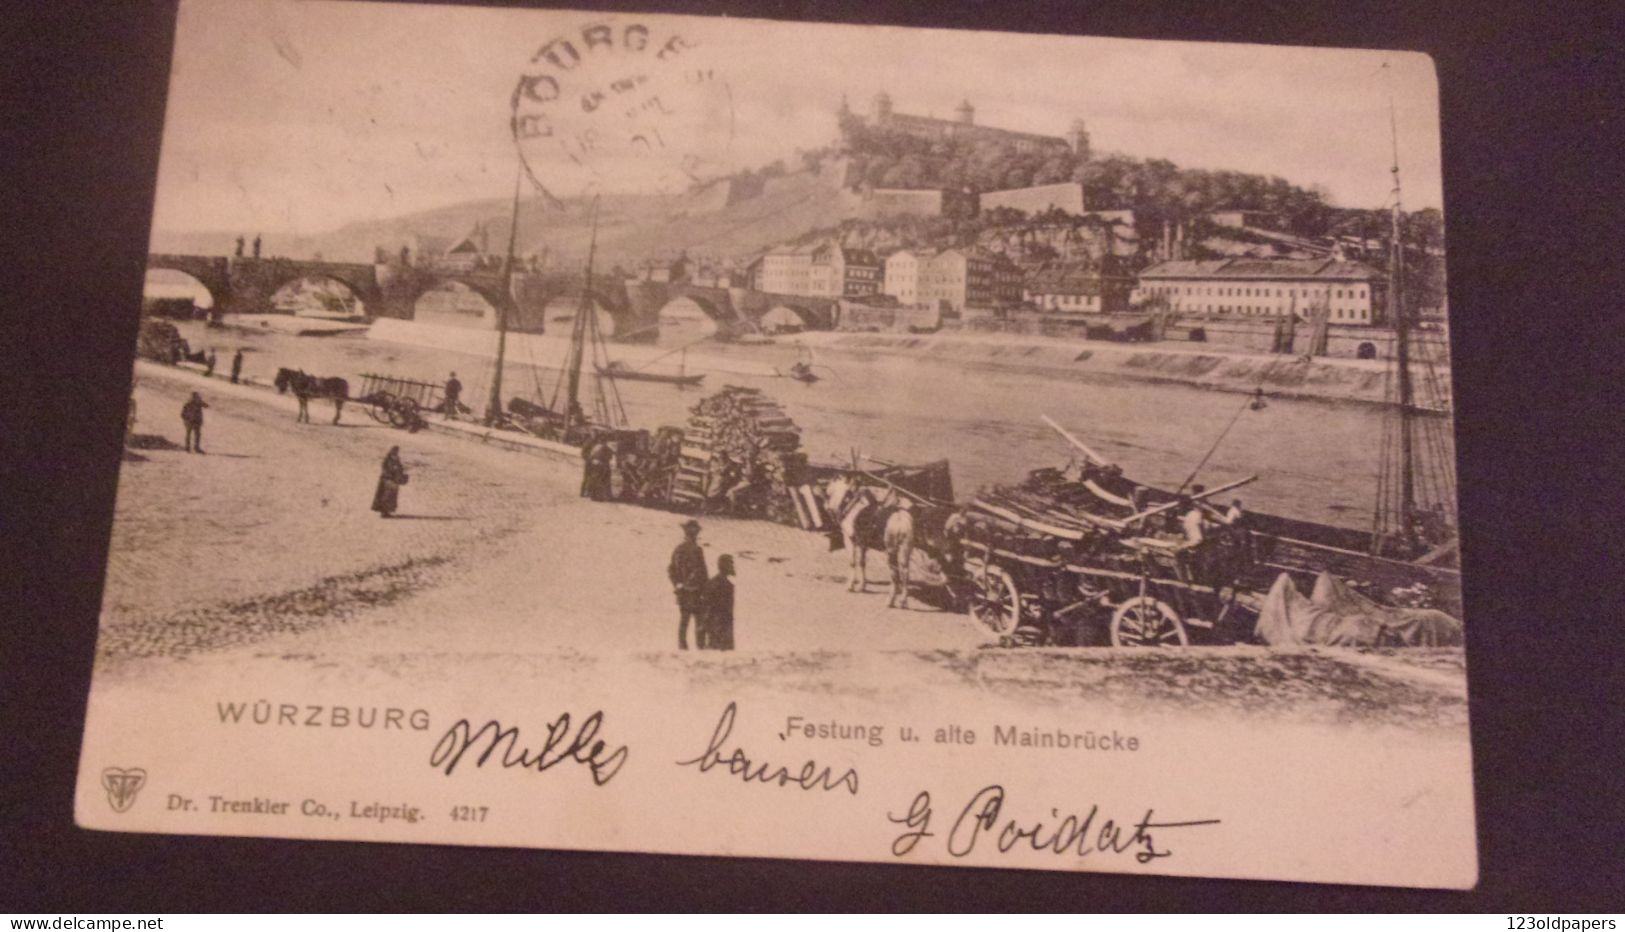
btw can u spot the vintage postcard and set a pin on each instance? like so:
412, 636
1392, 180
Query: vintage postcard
744, 438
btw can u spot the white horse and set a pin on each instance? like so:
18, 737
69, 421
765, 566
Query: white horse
859, 507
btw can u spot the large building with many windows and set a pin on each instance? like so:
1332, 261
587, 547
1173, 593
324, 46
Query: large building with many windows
953, 280
826, 269
1350, 292
1079, 290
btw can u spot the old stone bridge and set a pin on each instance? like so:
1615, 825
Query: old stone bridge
244, 285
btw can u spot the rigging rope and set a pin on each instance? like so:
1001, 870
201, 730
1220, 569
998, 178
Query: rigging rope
1210, 450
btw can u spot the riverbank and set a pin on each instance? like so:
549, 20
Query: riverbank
1197, 365
1317, 459
1203, 366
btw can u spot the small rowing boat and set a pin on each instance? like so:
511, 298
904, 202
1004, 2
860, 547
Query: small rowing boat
620, 371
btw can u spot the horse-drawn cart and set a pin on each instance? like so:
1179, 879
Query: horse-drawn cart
1062, 560
399, 402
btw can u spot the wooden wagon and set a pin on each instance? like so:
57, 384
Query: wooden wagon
1056, 560
399, 402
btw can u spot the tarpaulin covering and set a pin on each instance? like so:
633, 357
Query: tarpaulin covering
1337, 615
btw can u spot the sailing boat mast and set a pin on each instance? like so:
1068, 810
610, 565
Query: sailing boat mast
493, 408
1402, 353
578, 334
1402, 513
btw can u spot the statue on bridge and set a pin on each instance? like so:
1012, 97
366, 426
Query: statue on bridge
256, 245
239, 247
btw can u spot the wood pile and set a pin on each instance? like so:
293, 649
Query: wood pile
1046, 505
740, 455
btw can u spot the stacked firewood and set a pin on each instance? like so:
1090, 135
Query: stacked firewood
741, 455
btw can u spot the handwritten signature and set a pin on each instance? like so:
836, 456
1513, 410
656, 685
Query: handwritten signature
1069, 834
560, 746
739, 764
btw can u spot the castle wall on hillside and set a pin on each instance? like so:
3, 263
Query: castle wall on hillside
1067, 196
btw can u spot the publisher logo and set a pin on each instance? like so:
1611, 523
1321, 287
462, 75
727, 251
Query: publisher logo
122, 785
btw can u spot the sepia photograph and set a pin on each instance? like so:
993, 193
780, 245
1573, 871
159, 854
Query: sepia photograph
732, 437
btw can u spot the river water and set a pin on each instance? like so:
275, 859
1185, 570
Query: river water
1315, 460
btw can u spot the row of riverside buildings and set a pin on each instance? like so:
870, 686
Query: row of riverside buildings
973, 282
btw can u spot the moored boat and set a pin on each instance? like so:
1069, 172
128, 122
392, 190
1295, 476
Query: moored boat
618, 370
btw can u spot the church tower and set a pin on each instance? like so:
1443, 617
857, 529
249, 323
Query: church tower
1078, 138
965, 113
882, 108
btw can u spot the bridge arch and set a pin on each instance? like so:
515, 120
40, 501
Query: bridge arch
357, 297
208, 271
255, 282
688, 317
784, 317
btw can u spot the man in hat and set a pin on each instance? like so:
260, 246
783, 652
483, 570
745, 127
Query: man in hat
236, 366
688, 575
899, 540
192, 419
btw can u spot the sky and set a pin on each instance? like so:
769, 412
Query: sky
299, 116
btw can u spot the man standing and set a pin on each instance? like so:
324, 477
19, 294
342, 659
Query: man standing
208, 364
688, 575
1194, 521
236, 366
717, 632
192, 418
899, 540
454, 391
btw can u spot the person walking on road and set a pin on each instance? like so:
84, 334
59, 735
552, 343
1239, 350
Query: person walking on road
454, 392
717, 632
390, 479
599, 482
208, 364
236, 366
192, 419
689, 577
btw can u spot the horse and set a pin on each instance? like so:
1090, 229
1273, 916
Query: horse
863, 511
306, 387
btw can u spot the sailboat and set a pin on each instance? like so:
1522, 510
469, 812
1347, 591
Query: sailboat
1413, 538
1412, 542
563, 419
1414, 517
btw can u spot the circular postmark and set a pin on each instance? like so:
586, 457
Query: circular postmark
622, 105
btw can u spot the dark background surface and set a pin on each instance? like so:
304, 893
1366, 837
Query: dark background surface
1531, 104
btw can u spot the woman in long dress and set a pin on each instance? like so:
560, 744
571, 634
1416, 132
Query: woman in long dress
390, 480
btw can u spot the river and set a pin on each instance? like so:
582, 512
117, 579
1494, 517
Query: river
1315, 460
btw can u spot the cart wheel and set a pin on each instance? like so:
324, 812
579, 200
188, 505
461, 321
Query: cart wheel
380, 405
996, 602
1142, 621
404, 413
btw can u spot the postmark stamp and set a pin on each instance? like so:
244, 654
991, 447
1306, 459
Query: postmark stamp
622, 100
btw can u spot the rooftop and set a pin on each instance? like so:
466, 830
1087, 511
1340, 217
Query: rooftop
1261, 268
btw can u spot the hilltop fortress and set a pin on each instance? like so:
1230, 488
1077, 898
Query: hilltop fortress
964, 127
